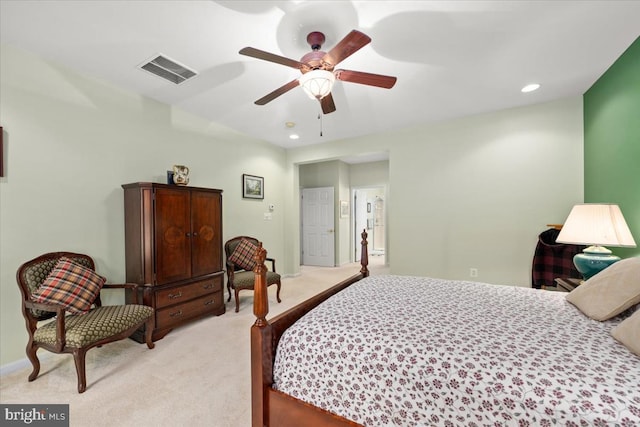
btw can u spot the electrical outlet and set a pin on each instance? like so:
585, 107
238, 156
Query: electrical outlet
473, 272
267, 216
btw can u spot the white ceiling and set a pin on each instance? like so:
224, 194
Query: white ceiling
451, 58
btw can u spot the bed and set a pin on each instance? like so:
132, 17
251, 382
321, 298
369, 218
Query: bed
430, 352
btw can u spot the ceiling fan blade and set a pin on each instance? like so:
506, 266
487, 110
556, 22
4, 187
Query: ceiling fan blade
276, 93
271, 57
346, 47
327, 104
378, 80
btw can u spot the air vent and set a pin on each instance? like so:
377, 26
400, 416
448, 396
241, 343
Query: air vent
168, 69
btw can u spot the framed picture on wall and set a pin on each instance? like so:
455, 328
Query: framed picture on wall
252, 187
344, 209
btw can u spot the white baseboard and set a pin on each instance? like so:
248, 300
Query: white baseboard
20, 364
291, 275
12, 367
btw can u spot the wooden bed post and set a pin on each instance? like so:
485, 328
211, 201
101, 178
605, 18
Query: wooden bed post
364, 254
269, 407
261, 340
261, 300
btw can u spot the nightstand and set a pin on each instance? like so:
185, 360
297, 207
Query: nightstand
567, 284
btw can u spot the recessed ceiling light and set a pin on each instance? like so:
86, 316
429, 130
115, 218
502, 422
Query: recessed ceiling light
530, 88
294, 136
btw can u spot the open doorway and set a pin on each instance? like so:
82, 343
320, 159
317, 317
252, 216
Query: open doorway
369, 213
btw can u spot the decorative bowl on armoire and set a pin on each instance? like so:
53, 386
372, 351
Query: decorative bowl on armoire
180, 175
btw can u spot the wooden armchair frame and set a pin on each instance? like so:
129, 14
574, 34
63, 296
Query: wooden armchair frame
48, 311
271, 279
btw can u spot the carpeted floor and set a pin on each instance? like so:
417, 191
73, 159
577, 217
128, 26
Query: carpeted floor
198, 375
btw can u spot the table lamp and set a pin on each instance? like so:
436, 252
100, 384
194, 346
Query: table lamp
595, 225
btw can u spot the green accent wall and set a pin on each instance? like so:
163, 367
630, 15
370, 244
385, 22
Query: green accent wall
612, 141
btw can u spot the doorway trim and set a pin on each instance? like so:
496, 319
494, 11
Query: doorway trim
356, 219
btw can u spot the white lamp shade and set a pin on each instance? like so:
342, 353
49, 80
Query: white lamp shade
317, 83
596, 224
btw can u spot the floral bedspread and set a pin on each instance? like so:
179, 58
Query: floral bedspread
413, 351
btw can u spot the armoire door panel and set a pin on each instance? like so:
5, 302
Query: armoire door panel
172, 236
206, 242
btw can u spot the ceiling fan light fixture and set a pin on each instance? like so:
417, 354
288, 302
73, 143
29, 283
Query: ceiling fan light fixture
317, 83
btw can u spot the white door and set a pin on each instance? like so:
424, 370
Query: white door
318, 236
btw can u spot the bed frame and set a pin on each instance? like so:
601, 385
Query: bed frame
269, 407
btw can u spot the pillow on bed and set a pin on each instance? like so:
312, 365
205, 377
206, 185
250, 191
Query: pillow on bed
71, 285
628, 332
609, 292
242, 256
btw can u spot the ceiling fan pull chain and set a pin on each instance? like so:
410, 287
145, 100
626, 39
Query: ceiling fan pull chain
320, 118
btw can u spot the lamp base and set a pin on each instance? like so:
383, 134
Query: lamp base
593, 260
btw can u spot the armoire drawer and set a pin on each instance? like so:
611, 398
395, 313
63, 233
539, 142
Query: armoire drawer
178, 294
168, 317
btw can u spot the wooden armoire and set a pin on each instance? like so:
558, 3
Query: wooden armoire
173, 247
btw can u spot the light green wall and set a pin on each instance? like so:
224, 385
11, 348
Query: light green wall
473, 192
71, 141
373, 174
321, 174
612, 141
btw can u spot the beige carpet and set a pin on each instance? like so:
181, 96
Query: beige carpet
198, 375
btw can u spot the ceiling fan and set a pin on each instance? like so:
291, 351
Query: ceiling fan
317, 67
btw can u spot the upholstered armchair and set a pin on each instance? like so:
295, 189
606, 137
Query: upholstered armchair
239, 253
62, 287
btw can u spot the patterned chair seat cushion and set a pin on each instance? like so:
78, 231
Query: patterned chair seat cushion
246, 279
97, 324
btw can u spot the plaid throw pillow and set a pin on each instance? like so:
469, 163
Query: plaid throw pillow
242, 256
71, 285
